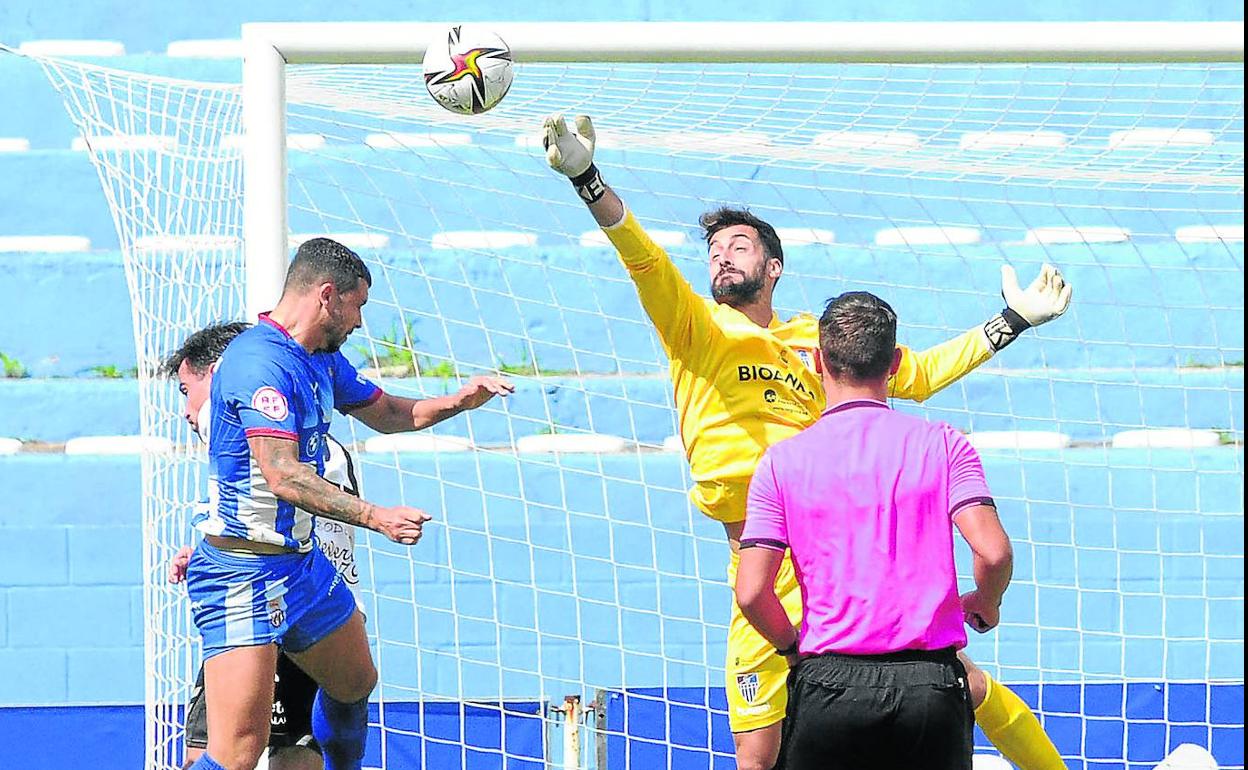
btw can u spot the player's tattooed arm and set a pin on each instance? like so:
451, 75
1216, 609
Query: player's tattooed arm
297, 483
394, 414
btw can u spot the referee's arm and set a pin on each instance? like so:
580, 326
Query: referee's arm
763, 543
756, 595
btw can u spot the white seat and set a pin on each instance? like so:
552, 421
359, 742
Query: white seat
188, 243
804, 236
9, 446
1010, 140
935, 235
1042, 235
1019, 439
123, 143
398, 140
1210, 234
118, 445
1160, 137
990, 762
416, 442
14, 144
483, 239
44, 244
673, 444
350, 240
72, 48
223, 48
665, 238
588, 443
891, 141
1166, 438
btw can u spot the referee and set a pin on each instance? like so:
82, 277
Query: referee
866, 499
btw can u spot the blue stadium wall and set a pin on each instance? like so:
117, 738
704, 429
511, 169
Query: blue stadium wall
71, 615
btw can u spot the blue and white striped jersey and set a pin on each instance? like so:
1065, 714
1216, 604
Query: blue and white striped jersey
267, 385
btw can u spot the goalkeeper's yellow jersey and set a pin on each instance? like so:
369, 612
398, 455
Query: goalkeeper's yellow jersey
740, 387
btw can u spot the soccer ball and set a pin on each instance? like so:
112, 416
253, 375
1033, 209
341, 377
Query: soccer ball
468, 70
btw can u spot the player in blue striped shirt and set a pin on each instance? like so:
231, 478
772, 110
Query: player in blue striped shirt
256, 581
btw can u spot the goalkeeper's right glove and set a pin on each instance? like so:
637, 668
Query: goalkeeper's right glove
572, 154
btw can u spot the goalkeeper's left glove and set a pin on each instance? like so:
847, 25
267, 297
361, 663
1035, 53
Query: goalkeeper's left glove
1045, 299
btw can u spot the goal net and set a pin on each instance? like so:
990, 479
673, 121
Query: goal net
564, 559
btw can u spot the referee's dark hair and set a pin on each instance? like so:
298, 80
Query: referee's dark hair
323, 259
202, 349
858, 334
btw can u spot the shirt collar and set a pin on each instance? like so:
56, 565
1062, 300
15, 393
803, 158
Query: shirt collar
856, 403
265, 319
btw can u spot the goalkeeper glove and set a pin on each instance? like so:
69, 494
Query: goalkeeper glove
1045, 299
572, 154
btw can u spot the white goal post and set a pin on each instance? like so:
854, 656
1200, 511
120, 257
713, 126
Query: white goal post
269, 47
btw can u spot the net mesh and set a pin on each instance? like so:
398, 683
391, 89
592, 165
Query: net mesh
585, 572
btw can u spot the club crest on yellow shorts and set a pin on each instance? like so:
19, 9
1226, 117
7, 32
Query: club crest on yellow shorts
747, 685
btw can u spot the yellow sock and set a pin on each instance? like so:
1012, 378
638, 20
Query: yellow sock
1015, 731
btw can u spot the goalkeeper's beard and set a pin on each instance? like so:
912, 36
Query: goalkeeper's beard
739, 293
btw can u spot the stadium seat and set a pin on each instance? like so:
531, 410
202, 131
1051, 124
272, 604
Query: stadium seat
1160, 438
117, 445
1019, 439
416, 442
588, 443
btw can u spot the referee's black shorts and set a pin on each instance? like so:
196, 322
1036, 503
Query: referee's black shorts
905, 710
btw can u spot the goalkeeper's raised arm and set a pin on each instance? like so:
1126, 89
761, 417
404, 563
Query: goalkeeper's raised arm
678, 313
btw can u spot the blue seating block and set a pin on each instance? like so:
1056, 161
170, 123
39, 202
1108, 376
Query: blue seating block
35, 556
109, 555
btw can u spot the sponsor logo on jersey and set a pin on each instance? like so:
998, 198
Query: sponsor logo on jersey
752, 372
747, 685
270, 402
770, 396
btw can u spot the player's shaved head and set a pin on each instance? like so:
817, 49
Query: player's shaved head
324, 260
858, 334
203, 348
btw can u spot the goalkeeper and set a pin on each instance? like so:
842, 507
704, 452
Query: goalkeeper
744, 380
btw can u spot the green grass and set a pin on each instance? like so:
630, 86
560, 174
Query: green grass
392, 350
13, 369
527, 367
114, 372
1194, 364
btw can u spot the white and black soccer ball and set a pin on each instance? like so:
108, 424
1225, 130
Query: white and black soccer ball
468, 70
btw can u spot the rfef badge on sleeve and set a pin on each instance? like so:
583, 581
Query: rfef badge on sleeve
270, 402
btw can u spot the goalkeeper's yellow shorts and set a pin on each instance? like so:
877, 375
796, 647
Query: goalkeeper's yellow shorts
756, 675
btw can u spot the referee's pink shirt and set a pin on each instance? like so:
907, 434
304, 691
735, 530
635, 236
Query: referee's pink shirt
865, 500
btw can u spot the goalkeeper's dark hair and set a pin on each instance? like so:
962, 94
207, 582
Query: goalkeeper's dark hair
202, 349
725, 216
858, 334
321, 260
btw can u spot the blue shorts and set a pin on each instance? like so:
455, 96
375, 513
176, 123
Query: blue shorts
292, 600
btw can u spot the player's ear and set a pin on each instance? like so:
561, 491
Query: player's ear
326, 292
775, 268
896, 365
